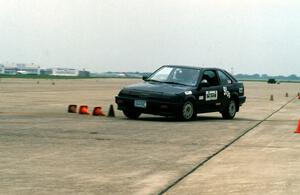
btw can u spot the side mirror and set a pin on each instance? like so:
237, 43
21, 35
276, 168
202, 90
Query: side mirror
204, 83
145, 77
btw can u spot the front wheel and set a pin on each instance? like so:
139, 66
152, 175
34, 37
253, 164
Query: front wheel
131, 114
230, 111
188, 111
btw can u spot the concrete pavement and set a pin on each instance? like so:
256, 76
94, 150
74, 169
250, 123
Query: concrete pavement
45, 150
264, 161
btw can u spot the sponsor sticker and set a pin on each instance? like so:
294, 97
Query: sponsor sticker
211, 95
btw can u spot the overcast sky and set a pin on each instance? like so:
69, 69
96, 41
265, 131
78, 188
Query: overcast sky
252, 36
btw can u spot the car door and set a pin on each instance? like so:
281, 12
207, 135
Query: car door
210, 94
227, 86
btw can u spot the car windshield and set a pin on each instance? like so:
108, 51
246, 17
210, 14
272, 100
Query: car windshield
176, 75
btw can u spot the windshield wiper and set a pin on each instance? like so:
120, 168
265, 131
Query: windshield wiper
172, 82
153, 80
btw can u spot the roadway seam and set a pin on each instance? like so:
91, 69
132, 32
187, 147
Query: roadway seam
222, 149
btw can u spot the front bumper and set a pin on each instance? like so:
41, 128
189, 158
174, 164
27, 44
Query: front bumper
155, 107
242, 99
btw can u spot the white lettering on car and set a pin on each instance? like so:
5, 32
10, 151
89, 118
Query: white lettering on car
211, 95
201, 97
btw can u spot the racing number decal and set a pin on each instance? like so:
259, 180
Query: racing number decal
211, 95
226, 92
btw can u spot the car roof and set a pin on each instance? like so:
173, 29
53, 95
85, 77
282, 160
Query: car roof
193, 67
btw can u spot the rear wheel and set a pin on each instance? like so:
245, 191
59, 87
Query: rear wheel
230, 111
131, 114
188, 111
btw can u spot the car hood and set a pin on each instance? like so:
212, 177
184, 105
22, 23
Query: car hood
157, 88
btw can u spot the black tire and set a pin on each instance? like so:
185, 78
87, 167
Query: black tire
188, 111
131, 114
230, 110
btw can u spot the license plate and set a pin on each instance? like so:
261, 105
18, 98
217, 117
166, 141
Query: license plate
140, 103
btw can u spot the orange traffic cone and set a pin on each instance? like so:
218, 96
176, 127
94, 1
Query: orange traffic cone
84, 109
298, 127
98, 111
72, 108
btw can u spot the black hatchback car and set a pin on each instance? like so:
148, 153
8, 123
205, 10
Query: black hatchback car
183, 91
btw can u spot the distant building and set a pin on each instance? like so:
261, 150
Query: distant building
13, 69
10, 70
46, 71
33, 69
28, 69
61, 72
84, 73
2, 69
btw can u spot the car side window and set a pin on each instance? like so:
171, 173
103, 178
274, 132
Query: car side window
224, 79
211, 77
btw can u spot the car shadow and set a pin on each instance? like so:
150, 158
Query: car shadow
174, 119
